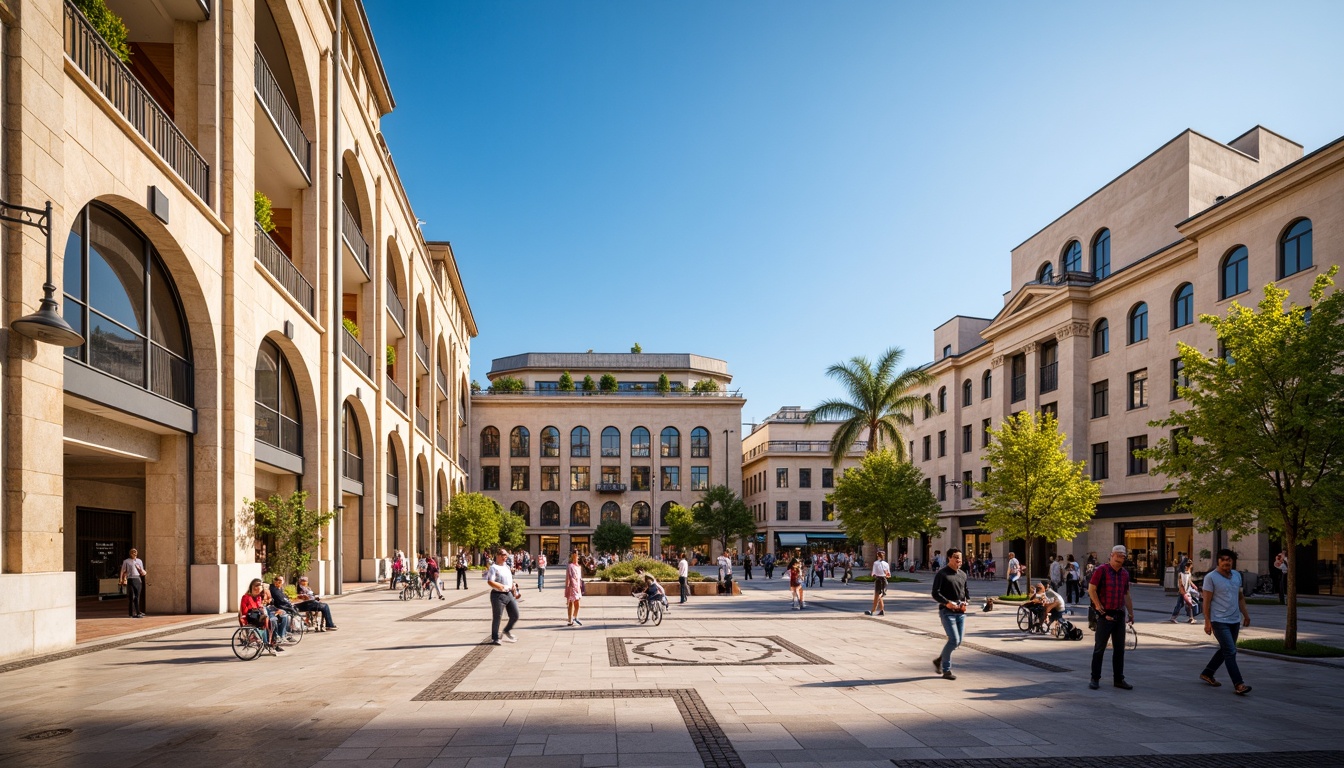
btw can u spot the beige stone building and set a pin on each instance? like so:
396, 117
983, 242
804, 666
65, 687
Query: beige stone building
1088, 331
786, 476
567, 460
215, 367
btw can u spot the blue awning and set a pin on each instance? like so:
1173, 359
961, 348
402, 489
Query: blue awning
792, 539
827, 536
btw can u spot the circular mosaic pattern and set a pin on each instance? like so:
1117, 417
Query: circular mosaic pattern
699, 650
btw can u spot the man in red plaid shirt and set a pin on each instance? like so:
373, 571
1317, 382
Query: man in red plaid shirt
1109, 590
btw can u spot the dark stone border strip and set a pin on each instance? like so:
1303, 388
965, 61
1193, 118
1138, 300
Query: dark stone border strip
421, 615
1047, 666
713, 745
1202, 760
14, 666
617, 656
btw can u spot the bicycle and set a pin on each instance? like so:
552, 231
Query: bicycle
412, 590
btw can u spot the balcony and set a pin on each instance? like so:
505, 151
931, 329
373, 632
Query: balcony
422, 422
552, 392
1019, 387
422, 352
283, 270
442, 443
801, 446
395, 395
1050, 377
395, 308
286, 123
355, 353
393, 485
352, 467
87, 50
611, 487
442, 379
462, 462
354, 238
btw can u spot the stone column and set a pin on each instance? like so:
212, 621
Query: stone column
166, 547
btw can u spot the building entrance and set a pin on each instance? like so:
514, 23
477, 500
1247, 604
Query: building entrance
103, 539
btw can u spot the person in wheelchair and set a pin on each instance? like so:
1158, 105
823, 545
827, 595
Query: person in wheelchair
1047, 607
648, 588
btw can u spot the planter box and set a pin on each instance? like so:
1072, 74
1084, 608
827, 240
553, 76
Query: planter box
622, 589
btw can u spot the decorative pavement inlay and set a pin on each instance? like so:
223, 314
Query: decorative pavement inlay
706, 651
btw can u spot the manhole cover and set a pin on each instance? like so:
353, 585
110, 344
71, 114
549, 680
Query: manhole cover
47, 734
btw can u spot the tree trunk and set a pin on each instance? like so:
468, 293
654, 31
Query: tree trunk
1290, 623
872, 439
1026, 563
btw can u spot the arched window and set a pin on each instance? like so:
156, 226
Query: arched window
1101, 337
640, 515
967, 392
520, 442
662, 513
550, 443
611, 511
352, 446
1236, 265
611, 442
393, 471
1138, 322
579, 514
420, 487
928, 405
987, 385
520, 509
639, 443
1183, 306
942, 399
1295, 248
699, 443
1072, 260
580, 442
670, 443
489, 443
278, 421
1101, 254
119, 296
1046, 274
550, 513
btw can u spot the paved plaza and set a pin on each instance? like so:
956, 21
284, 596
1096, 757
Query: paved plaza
742, 681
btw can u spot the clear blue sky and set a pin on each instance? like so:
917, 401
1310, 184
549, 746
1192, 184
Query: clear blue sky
785, 185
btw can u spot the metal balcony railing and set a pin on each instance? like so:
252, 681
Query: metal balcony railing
356, 353
422, 422
800, 446
354, 237
1050, 377
394, 306
282, 115
462, 462
87, 49
441, 442
353, 466
1019, 387
611, 487
283, 270
393, 485
442, 379
396, 395
422, 351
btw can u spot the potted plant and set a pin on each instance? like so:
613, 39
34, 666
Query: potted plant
263, 212
350, 326
108, 25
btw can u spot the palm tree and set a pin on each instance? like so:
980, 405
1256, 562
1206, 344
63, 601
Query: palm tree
880, 403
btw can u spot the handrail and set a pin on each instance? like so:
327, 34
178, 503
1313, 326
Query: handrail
441, 442
1050, 377
354, 237
801, 446
283, 270
617, 393
95, 58
396, 395
422, 350
442, 378
282, 115
422, 422
352, 349
395, 307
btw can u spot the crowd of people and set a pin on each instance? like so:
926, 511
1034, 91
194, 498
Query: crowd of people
269, 608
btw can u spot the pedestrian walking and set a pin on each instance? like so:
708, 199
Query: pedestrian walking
541, 571
574, 588
1185, 594
1109, 592
683, 577
881, 572
133, 575
1072, 580
431, 576
725, 574
1224, 616
1280, 574
768, 563
461, 569
820, 567
1014, 575
953, 595
500, 579
848, 577
1056, 573
746, 566
796, 584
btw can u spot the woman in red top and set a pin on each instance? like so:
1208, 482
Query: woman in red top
255, 600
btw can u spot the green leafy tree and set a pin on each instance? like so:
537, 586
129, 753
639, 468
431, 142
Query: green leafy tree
723, 516
682, 532
507, 384
471, 521
475, 386
613, 537
607, 383
1034, 490
566, 382
109, 26
1261, 446
881, 402
884, 498
589, 385
663, 384
295, 529
705, 385
636, 349
512, 530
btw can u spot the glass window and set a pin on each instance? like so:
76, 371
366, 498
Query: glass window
699, 443
1138, 323
490, 478
804, 478
827, 477
1183, 306
782, 477
947, 352
278, 421
1046, 274
489, 443
611, 475
928, 451
987, 385
699, 478
942, 400
804, 510
640, 515
942, 487
639, 478
1295, 248
518, 478
670, 443
928, 405
519, 442
1137, 464
550, 513
966, 392
611, 512
1138, 389
967, 480
1178, 378
1100, 461
827, 512
520, 509
1072, 260
1101, 338
1018, 367
579, 442
550, 478
986, 429
1235, 273
781, 510
966, 439
1101, 396
550, 443
581, 515
611, 442
639, 443
662, 513
671, 478
942, 443
579, 479
1101, 254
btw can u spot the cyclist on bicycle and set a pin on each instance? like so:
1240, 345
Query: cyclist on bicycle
649, 588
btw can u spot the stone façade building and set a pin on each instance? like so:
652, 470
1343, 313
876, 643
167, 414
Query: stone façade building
567, 460
1099, 299
221, 362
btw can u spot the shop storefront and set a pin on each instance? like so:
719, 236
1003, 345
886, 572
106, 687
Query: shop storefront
581, 544
550, 546
1155, 546
640, 547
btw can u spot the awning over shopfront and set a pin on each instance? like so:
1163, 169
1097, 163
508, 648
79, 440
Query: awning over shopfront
828, 536
792, 539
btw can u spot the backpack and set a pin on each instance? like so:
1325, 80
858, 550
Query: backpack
1071, 632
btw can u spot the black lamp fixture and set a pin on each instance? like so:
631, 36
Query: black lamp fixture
46, 324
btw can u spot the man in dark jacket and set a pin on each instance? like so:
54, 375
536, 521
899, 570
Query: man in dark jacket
949, 589
280, 601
